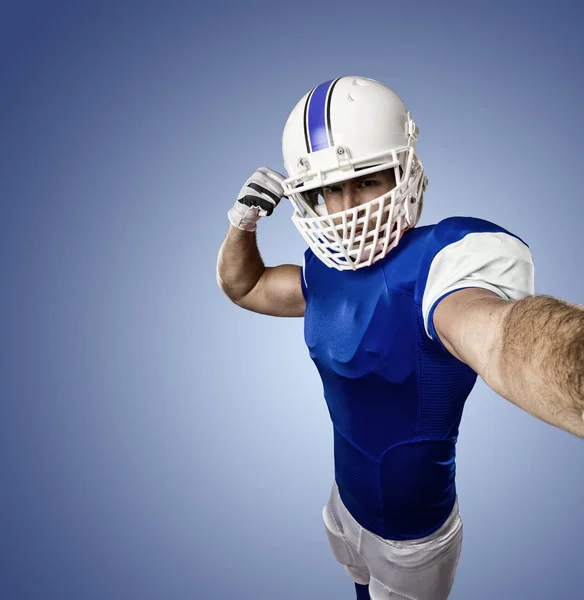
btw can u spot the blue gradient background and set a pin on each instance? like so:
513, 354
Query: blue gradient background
156, 441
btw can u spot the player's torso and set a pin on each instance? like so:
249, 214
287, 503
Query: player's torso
395, 397
362, 333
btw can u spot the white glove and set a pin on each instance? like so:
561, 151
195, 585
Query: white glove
257, 198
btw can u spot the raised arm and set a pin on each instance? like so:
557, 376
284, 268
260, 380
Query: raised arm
529, 351
241, 272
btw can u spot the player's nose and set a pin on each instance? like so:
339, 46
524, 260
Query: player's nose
349, 197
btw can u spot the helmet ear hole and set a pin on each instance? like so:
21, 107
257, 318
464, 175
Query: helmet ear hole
411, 209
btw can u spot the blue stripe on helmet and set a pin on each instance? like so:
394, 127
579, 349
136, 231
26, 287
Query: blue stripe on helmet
317, 117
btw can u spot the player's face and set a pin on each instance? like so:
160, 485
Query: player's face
355, 192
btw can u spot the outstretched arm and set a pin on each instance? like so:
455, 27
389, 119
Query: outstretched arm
529, 351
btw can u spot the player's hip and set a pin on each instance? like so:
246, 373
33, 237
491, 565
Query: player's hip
419, 569
437, 535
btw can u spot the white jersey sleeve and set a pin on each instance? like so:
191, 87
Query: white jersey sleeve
495, 260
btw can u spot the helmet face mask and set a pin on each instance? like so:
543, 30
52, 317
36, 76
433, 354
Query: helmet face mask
376, 134
359, 236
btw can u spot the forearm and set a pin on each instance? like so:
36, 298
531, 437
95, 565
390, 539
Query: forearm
239, 264
538, 361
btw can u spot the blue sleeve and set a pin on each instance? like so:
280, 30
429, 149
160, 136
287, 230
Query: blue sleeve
303, 281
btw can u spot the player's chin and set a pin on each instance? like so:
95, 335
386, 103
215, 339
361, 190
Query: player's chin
392, 244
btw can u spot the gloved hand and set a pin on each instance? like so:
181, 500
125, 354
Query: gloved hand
258, 197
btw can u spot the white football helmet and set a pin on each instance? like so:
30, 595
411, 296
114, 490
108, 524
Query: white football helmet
344, 128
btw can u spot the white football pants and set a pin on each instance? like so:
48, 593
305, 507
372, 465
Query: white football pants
418, 569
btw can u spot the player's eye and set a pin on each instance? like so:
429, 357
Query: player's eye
367, 183
331, 190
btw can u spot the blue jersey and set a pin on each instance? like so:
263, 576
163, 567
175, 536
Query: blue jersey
394, 393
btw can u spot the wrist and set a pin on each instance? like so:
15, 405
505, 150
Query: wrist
244, 217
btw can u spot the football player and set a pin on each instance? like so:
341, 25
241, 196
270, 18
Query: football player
399, 321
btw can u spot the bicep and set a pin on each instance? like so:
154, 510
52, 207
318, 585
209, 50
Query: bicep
469, 324
471, 283
278, 293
